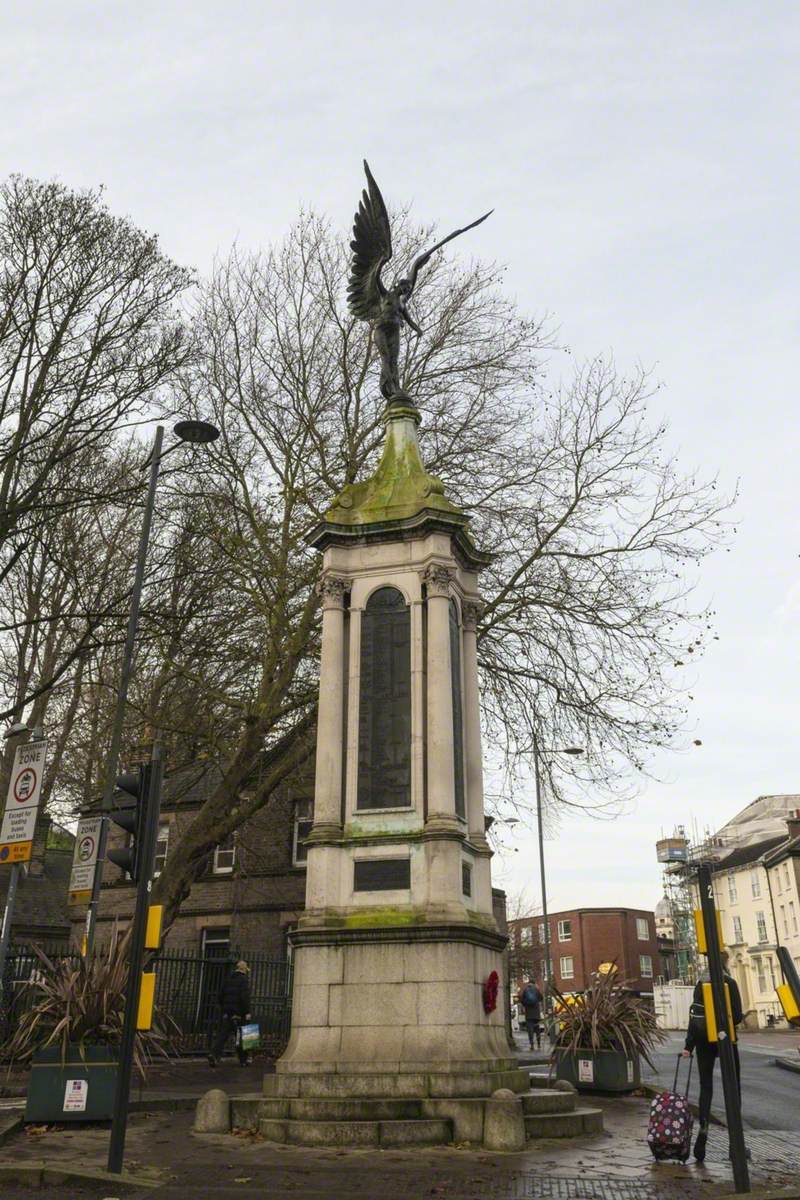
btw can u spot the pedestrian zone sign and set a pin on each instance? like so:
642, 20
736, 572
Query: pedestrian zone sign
84, 860
22, 803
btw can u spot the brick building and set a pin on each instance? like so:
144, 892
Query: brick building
581, 940
40, 911
251, 889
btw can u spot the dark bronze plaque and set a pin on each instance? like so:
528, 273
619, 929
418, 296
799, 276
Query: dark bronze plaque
458, 708
466, 879
381, 874
384, 708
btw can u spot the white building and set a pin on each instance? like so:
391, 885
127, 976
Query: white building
756, 880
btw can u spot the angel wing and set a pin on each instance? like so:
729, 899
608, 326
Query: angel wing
420, 262
372, 249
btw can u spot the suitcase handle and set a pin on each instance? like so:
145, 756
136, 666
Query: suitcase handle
677, 1068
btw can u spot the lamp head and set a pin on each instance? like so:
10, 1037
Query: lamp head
196, 432
16, 730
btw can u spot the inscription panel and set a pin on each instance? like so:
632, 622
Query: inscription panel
382, 875
384, 707
458, 709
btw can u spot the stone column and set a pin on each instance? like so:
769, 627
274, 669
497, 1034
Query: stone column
441, 771
330, 721
470, 614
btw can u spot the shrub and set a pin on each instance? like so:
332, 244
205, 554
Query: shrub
607, 1016
83, 1003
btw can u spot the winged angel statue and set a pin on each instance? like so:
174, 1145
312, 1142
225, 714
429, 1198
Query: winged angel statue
369, 298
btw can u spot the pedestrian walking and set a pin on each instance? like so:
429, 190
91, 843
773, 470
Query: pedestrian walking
706, 1052
531, 1000
234, 1001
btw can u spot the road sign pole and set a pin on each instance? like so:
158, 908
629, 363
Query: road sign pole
119, 1120
8, 917
727, 1053
122, 694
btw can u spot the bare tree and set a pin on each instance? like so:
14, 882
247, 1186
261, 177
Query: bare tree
89, 333
591, 526
62, 610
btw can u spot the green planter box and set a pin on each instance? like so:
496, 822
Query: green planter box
79, 1088
598, 1070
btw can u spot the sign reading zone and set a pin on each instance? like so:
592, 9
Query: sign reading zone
22, 802
84, 860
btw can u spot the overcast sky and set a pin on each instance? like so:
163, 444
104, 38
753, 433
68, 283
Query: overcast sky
643, 163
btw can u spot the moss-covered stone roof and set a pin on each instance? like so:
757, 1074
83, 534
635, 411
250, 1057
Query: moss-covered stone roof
400, 488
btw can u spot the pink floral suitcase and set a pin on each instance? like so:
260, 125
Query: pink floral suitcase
669, 1133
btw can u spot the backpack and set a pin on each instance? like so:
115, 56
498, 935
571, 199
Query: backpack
530, 997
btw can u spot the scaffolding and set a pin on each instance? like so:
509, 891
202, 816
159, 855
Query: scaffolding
677, 858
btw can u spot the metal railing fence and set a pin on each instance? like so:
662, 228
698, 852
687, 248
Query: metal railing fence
187, 990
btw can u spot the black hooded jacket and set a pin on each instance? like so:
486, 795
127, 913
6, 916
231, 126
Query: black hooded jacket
234, 995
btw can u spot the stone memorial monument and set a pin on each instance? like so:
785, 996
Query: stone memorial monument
397, 957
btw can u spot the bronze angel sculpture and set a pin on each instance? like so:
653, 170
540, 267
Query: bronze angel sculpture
369, 298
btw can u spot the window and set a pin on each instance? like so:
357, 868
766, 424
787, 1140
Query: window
214, 943
645, 966
761, 922
466, 879
786, 875
732, 889
527, 936
758, 963
737, 931
303, 820
564, 932
225, 856
162, 845
567, 967
642, 929
384, 712
541, 934
458, 709
755, 883
785, 921
793, 916
547, 969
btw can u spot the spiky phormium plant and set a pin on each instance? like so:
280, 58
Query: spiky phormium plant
83, 1003
607, 1016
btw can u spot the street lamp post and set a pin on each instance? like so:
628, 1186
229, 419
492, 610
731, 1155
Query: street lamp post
193, 432
546, 974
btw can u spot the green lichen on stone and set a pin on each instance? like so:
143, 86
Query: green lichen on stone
400, 487
385, 917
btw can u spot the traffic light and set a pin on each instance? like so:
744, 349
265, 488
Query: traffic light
133, 820
789, 991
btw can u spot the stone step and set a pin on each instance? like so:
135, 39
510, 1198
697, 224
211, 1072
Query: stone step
365, 1109
399, 1086
538, 1079
383, 1134
578, 1123
546, 1100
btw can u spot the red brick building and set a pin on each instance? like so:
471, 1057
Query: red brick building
250, 891
581, 940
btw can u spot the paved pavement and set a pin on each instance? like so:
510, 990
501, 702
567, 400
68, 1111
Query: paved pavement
615, 1165
770, 1096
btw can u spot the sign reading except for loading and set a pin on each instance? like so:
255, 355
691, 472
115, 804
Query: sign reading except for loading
84, 860
22, 802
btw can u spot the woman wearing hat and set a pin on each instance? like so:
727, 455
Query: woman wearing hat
234, 1000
